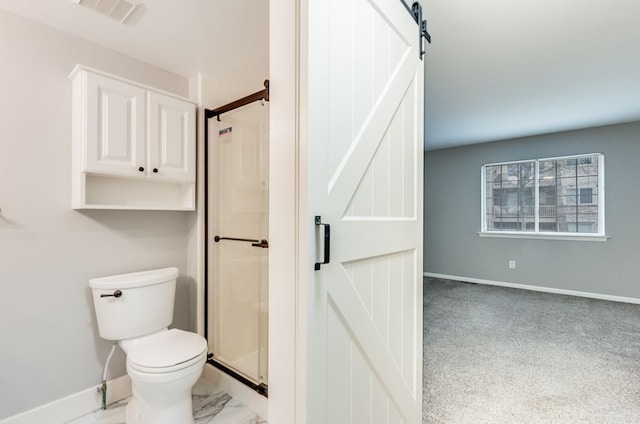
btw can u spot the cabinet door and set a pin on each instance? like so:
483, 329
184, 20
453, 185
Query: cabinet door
115, 139
171, 138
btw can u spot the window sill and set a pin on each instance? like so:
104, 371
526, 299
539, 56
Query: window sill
544, 236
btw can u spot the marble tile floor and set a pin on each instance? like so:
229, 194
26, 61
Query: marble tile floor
208, 408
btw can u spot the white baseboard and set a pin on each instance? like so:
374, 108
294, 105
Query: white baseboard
240, 392
535, 288
73, 406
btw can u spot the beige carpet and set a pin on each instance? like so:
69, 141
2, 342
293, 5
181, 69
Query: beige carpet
496, 355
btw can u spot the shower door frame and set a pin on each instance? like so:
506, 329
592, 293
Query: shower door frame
261, 388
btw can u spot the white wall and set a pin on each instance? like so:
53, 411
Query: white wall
50, 346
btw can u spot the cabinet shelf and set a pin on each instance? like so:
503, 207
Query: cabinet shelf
106, 192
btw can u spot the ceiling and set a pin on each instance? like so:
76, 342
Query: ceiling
181, 36
499, 69
496, 69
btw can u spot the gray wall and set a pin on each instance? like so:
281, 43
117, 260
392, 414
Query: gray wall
50, 345
452, 216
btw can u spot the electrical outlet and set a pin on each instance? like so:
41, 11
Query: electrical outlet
512, 264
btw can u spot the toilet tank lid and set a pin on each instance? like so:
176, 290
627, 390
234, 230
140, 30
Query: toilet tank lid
134, 279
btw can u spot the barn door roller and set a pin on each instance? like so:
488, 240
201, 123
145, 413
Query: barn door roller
423, 34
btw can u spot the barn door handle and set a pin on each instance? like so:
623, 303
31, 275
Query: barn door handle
327, 243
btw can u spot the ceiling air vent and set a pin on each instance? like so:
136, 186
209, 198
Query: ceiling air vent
120, 10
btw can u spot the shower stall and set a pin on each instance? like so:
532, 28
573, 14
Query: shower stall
237, 229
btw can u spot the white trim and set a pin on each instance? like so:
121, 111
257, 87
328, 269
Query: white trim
287, 209
75, 405
237, 390
80, 67
196, 237
536, 288
601, 190
483, 198
544, 236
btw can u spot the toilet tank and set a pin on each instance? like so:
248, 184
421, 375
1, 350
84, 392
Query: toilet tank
135, 304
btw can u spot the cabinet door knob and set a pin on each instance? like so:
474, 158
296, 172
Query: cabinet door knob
155, 170
141, 169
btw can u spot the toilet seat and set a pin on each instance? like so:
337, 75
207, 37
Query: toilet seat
167, 351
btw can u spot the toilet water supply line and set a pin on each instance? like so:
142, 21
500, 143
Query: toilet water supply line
103, 387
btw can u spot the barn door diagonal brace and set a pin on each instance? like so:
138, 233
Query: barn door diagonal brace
423, 34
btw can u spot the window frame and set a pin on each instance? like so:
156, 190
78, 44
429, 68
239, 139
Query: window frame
536, 233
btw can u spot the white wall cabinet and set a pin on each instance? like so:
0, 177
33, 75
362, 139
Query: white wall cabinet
133, 146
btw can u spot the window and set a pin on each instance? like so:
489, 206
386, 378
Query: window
586, 196
582, 196
551, 196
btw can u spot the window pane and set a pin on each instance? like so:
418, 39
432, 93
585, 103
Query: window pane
548, 195
510, 202
576, 182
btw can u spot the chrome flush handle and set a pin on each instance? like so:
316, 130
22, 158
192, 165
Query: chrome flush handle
116, 293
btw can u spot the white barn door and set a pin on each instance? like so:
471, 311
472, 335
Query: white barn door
365, 145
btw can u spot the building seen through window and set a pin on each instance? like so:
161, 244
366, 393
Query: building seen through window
552, 195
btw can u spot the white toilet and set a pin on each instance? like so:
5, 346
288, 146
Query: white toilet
136, 309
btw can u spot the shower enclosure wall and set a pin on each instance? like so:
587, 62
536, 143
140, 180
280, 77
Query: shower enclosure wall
237, 241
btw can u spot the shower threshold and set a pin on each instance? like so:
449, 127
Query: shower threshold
261, 388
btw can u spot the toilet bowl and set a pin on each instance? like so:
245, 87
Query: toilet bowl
135, 309
163, 368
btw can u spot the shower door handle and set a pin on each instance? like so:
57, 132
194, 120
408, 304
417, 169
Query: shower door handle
254, 242
327, 243
262, 243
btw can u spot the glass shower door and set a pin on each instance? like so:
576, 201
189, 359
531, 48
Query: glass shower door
238, 242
